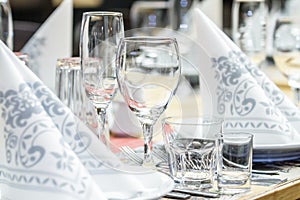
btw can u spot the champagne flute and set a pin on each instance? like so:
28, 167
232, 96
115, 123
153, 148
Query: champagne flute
6, 24
286, 52
148, 72
100, 34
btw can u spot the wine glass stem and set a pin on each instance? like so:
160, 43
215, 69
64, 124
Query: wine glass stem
148, 133
101, 115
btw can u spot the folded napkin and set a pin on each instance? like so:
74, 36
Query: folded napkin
51, 41
45, 151
237, 89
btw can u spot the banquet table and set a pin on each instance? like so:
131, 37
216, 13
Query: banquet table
288, 189
189, 104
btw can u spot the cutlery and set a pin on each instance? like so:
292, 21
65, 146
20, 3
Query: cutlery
177, 195
278, 166
266, 172
265, 180
132, 155
197, 193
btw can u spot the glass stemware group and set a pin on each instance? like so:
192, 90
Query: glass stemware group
146, 69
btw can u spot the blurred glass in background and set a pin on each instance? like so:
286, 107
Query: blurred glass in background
249, 28
286, 45
6, 23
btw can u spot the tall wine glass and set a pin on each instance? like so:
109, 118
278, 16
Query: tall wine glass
100, 35
286, 52
148, 72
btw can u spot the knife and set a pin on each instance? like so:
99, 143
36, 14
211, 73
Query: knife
197, 193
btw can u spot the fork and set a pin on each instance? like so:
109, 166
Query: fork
132, 155
160, 154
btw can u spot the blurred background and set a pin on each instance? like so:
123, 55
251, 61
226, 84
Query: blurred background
28, 15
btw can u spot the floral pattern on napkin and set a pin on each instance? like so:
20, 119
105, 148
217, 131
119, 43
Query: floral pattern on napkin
33, 162
238, 84
240, 91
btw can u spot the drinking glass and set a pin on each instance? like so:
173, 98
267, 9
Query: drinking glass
148, 75
68, 85
100, 34
6, 24
286, 52
249, 19
235, 162
192, 146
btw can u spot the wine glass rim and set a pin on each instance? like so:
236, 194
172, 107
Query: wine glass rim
103, 13
148, 38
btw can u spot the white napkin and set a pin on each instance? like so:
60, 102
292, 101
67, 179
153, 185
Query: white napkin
244, 95
51, 41
45, 151
213, 9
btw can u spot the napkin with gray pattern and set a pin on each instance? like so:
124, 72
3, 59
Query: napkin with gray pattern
240, 91
45, 151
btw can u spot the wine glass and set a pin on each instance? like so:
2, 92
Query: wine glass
100, 34
148, 72
6, 24
286, 52
249, 19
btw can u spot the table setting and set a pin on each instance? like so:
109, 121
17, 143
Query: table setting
50, 153
232, 138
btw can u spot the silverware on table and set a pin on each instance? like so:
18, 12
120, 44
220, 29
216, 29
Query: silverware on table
197, 193
266, 180
177, 195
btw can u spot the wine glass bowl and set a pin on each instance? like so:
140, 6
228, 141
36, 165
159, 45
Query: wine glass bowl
99, 90
100, 35
148, 72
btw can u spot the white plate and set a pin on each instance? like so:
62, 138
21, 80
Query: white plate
270, 148
271, 157
134, 186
